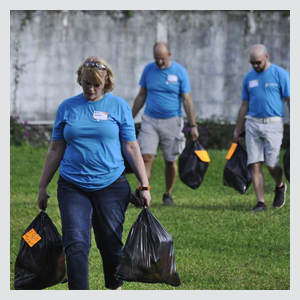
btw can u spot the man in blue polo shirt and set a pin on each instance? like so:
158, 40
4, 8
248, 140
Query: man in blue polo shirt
265, 88
165, 86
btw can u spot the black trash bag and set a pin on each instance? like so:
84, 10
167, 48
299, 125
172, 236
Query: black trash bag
236, 173
148, 255
191, 168
43, 264
286, 164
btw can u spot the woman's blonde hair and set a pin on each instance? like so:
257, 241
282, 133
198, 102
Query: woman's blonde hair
97, 72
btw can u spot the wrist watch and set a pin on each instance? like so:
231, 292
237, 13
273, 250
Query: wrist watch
144, 188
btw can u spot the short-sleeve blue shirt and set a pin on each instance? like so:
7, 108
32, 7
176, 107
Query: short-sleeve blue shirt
164, 90
265, 91
93, 157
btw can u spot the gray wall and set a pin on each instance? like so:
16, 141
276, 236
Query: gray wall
48, 46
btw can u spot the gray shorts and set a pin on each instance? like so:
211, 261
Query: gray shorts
164, 132
263, 141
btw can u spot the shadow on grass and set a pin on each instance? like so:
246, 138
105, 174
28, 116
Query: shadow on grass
202, 207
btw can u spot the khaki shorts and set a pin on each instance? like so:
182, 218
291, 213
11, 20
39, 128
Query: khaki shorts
263, 141
164, 132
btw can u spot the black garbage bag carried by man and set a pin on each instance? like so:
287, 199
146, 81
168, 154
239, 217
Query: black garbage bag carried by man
41, 259
193, 164
148, 255
236, 173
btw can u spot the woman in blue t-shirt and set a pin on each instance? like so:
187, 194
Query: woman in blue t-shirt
90, 132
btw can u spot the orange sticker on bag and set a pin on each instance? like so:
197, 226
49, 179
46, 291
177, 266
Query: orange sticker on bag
231, 151
31, 237
203, 155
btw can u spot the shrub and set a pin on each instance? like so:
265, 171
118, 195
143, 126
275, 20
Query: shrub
218, 134
19, 131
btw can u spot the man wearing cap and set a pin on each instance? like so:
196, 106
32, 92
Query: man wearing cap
165, 86
265, 88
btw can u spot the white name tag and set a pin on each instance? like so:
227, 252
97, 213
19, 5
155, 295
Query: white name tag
253, 83
172, 78
99, 115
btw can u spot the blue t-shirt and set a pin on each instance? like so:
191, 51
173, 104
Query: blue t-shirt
92, 131
164, 90
265, 91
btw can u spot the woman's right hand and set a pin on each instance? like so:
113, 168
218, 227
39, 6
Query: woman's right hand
43, 199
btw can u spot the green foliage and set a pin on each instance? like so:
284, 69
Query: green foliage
219, 244
218, 134
286, 13
26, 18
129, 13
213, 134
18, 131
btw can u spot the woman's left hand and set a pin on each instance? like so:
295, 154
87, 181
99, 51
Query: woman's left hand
146, 198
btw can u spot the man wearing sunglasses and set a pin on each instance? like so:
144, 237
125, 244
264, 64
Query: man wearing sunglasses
265, 88
165, 86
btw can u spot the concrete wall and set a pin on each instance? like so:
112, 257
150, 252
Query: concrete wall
48, 46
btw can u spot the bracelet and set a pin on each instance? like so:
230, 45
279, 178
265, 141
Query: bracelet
194, 125
144, 188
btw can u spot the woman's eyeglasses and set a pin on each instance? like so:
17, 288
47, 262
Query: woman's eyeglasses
92, 64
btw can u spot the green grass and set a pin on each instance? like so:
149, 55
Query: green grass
219, 244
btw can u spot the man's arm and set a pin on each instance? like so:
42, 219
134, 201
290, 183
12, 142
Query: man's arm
139, 101
190, 112
240, 120
288, 103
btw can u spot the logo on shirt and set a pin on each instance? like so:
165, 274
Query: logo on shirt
270, 84
173, 79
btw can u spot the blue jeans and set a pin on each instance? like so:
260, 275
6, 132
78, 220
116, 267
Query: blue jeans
104, 210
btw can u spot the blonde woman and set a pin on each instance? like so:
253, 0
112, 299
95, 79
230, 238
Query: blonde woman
89, 133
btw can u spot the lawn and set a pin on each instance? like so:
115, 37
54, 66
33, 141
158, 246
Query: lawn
219, 244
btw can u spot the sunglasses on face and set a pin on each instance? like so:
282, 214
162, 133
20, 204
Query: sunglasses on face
255, 62
92, 64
